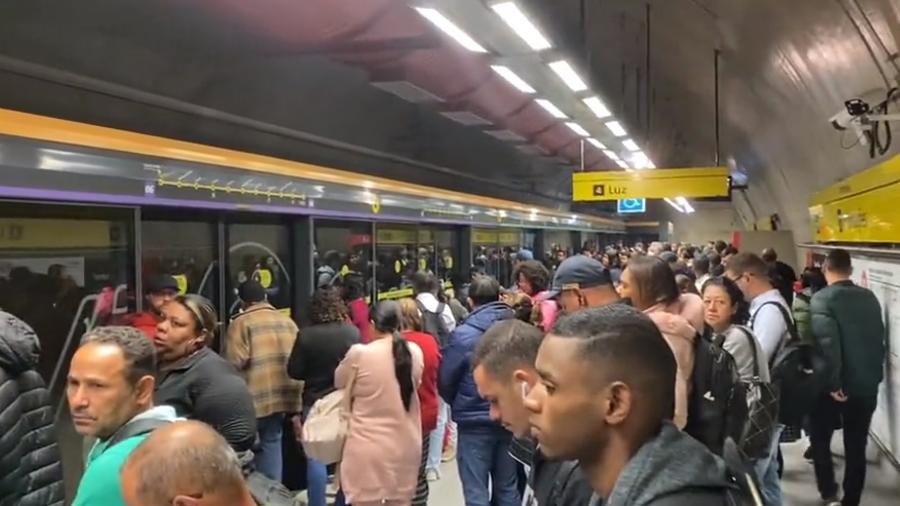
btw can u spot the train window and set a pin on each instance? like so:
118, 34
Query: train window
559, 246
343, 248
446, 243
185, 250
261, 252
63, 270
400, 252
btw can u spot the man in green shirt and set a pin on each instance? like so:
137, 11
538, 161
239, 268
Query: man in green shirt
110, 391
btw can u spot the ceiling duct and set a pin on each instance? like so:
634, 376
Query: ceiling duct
506, 135
407, 91
466, 118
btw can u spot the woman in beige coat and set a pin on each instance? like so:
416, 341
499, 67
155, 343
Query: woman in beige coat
650, 284
382, 453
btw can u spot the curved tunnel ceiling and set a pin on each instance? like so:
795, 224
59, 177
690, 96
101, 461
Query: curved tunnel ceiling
785, 69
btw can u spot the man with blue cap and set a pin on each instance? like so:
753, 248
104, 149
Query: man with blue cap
582, 282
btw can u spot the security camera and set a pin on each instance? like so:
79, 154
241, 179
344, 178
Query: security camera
843, 120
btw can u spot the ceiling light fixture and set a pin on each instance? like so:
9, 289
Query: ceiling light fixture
568, 75
597, 107
674, 204
640, 161
685, 205
597, 144
578, 129
621, 163
448, 27
552, 109
516, 19
630, 145
611, 154
513, 79
616, 128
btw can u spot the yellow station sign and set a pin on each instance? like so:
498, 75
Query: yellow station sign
697, 182
861, 208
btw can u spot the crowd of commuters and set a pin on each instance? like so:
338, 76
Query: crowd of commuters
580, 383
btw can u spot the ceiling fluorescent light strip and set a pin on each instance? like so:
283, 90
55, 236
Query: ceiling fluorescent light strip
621, 163
597, 107
630, 145
674, 204
578, 129
513, 79
448, 27
611, 154
597, 144
551, 108
524, 28
616, 128
568, 75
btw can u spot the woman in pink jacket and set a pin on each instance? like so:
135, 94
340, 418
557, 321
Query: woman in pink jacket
650, 284
533, 279
380, 464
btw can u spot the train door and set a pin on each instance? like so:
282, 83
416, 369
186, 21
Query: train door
63, 270
260, 250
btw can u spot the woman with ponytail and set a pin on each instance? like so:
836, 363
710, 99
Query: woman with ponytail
383, 449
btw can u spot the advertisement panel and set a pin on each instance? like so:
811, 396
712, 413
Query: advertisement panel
883, 278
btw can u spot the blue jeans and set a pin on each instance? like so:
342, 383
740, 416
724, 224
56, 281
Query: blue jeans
484, 463
268, 455
767, 472
436, 438
317, 480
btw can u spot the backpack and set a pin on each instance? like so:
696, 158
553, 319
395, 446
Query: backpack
717, 405
433, 323
798, 371
763, 410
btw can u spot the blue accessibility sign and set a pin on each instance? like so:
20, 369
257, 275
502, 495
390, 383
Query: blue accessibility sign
627, 206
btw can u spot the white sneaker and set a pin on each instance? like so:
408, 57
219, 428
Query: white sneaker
432, 475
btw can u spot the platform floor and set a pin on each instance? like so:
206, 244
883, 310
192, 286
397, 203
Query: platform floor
799, 484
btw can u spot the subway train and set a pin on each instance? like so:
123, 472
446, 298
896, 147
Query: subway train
87, 214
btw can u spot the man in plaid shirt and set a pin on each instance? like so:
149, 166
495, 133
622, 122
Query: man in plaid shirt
259, 343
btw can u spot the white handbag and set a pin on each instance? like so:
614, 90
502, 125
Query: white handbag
328, 424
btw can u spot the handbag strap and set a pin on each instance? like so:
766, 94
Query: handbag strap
752, 340
347, 401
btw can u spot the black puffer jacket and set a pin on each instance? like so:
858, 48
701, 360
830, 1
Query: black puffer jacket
30, 469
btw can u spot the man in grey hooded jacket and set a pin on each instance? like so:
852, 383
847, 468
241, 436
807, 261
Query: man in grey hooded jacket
605, 398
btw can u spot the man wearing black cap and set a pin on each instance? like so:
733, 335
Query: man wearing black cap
582, 282
160, 290
259, 344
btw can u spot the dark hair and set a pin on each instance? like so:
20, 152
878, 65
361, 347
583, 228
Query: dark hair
623, 344
736, 296
506, 346
685, 284
139, 353
388, 319
717, 270
535, 273
484, 290
654, 280
730, 250
353, 286
813, 278
714, 260
838, 261
701, 264
206, 318
748, 263
422, 282
720, 246
769, 255
327, 306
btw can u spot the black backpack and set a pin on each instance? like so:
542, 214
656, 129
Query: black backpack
717, 405
433, 323
798, 371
